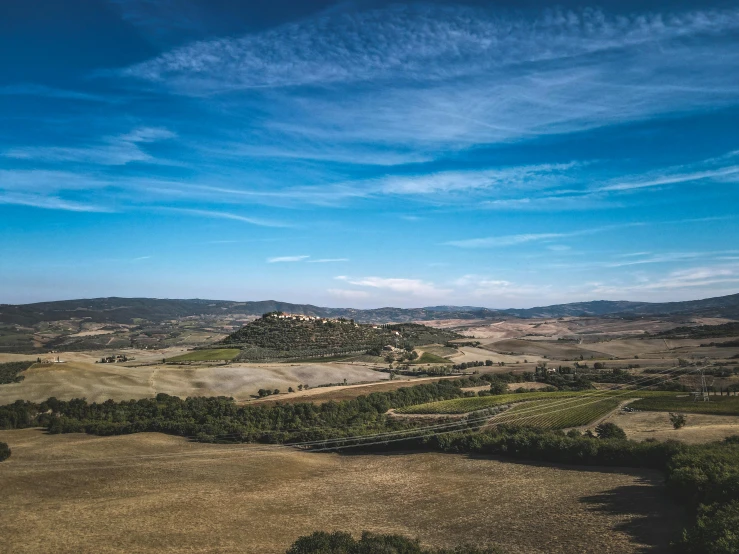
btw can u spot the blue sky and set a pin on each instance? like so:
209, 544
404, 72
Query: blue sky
364, 153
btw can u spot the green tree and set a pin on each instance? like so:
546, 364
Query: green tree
715, 532
609, 431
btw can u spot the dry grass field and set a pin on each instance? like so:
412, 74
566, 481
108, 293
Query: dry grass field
537, 349
99, 382
156, 493
656, 425
553, 328
472, 354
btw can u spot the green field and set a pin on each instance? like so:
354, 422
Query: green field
558, 414
474, 403
429, 358
719, 405
443, 351
212, 355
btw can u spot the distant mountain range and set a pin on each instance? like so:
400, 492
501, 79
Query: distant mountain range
126, 310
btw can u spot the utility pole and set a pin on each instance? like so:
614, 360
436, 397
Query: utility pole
704, 387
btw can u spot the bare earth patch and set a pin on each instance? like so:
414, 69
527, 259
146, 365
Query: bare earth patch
156, 493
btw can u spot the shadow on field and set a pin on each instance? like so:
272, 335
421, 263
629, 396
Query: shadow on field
649, 518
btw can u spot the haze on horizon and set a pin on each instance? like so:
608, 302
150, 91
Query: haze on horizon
369, 153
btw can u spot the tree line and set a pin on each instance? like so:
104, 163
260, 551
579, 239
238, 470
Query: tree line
10, 372
221, 419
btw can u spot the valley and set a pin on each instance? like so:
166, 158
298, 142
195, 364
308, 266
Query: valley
223, 439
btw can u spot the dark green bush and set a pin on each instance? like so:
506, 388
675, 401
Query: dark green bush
4, 451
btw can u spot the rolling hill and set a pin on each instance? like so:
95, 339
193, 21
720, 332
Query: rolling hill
271, 337
126, 310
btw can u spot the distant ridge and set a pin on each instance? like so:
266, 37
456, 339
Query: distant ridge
125, 310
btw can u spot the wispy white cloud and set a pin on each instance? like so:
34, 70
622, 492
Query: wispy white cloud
283, 259
412, 42
551, 200
30, 89
460, 76
415, 287
706, 277
676, 179
41, 181
487, 288
222, 215
512, 240
354, 154
347, 294
505, 240
536, 176
667, 257
114, 150
50, 203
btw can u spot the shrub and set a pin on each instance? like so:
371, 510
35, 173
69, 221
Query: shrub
4, 451
609, 431
678, 420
